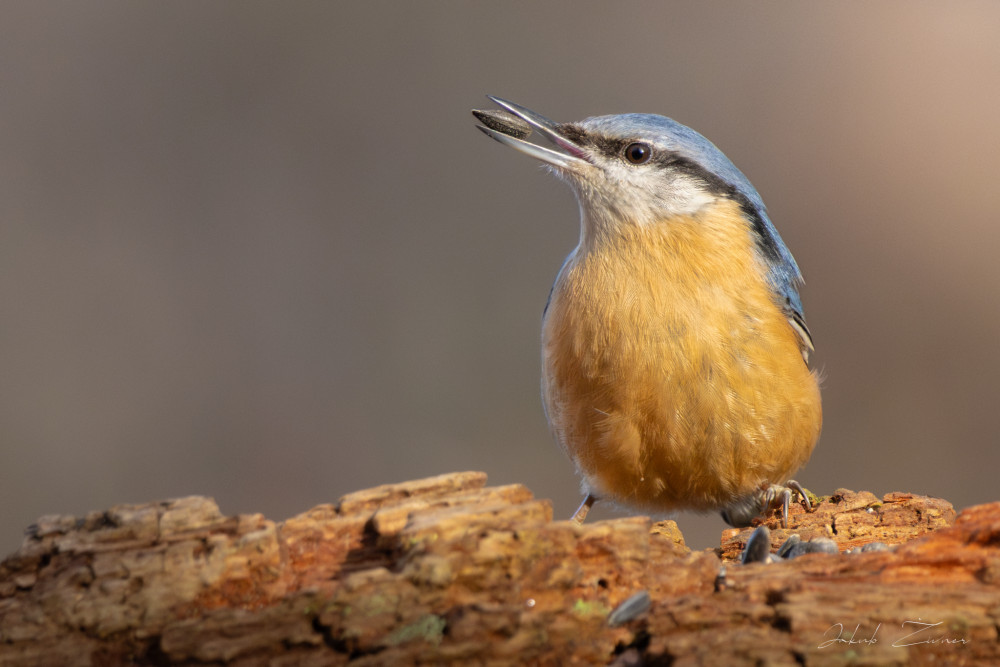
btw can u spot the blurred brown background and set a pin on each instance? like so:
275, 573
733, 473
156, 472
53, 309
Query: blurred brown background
258, 251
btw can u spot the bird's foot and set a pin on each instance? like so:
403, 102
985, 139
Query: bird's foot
743, 512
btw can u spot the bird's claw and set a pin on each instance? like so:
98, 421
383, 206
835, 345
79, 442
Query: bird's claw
743, 512
777, 494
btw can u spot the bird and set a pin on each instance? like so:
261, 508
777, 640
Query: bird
675, 351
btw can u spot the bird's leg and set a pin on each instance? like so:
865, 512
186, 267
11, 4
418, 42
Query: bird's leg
583, 509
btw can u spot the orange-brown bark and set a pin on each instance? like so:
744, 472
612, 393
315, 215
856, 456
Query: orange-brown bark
448, 570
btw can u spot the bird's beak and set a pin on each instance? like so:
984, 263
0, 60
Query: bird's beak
512, 126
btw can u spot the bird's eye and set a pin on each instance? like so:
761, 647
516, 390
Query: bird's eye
638, 153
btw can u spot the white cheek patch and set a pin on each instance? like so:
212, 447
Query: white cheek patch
685, 196
612, 195
648, 196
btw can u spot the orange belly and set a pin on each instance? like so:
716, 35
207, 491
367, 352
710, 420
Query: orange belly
670, 376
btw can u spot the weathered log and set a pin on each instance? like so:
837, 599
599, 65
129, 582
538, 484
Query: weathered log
447, 570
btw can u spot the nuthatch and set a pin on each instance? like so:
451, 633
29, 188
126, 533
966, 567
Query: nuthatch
674, 349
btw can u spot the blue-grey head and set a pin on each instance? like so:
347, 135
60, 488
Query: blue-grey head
645, 168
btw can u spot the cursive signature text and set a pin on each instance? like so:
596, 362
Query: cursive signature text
837, 629
918, 634
914, 633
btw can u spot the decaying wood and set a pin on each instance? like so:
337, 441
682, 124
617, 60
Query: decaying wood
447, 570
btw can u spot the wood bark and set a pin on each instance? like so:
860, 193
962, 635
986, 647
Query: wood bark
450, 571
